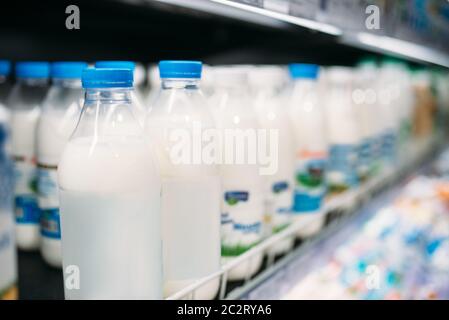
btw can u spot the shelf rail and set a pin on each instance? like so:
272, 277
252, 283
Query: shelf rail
254, 14
282, 19
344, 201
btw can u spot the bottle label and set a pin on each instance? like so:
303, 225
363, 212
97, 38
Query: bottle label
50, 224
280, 206
241, 221
27, 210
310, 186
389, 146
48, 199
376, 153
342, 168
365, 158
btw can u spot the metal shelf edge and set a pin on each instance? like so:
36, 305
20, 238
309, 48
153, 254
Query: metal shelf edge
362, 40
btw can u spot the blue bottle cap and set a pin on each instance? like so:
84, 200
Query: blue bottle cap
303, 70
116, 64
67, 69
5, 67
107, 78
32, 69
180, 69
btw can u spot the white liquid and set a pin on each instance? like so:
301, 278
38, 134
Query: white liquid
190, 200
110, 204
113, 253
191, 225
23, 129
53, 132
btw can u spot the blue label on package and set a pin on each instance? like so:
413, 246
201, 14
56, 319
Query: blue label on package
50, 225
27, 210
389, 146
233, 197
343, 160
305, 202
279, 187
365, 152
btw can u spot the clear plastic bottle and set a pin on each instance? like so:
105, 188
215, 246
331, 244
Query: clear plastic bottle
60, 113
138, 106
268, 83
191, 187
342, 129
109, 193
25, 103
242, 196
8, 260
307, 118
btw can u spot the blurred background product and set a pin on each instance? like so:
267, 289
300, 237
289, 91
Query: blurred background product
306, 110
25, 102
61, 110
8, 262
342, 129
242, 209
268, 86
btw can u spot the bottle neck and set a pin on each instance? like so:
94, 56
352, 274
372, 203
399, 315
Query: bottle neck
109, 95
67, 83
180, 83
38, 82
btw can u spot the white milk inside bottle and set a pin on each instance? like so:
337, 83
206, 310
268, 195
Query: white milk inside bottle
342, 130
8, 263
109, 189
138, 106
191, 186
242, 195
25, 103
267, 83
60, 113
307, 118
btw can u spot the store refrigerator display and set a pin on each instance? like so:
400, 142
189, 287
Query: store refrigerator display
224, 149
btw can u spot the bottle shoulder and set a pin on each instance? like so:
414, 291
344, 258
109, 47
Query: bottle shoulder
61, 99
179, 106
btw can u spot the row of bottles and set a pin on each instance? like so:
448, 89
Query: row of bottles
8, 261
149, 193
